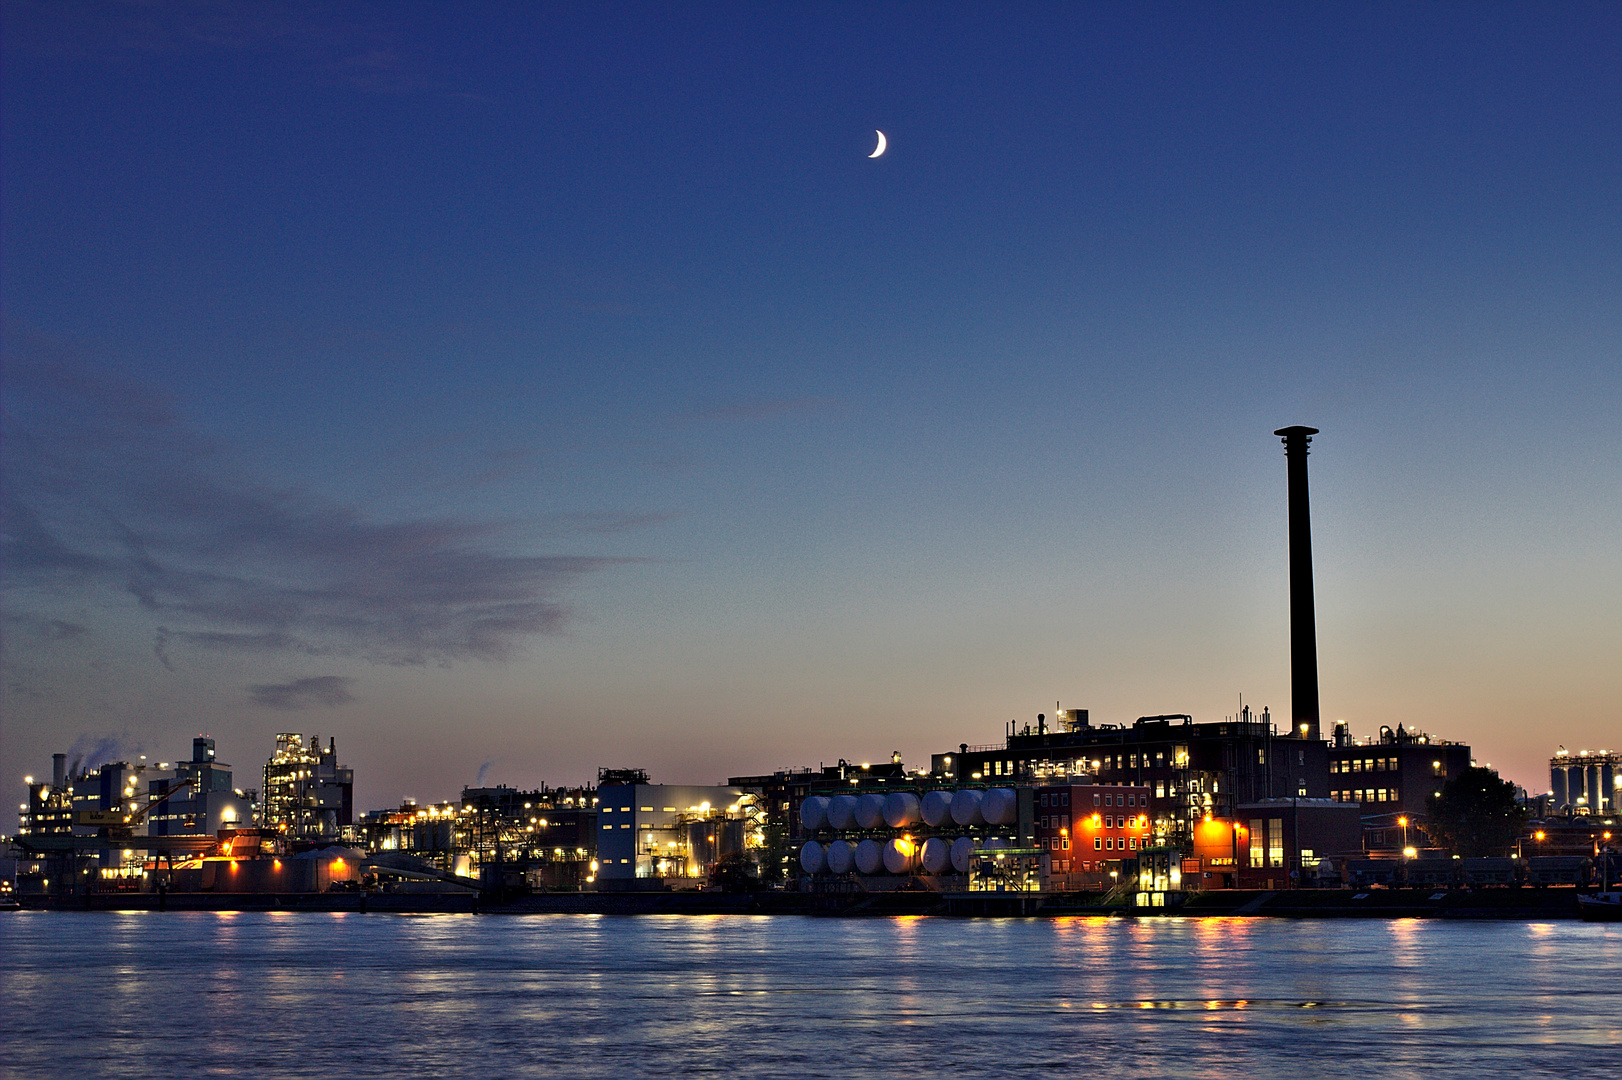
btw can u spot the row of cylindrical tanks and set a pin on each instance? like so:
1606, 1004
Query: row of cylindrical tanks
902, 855
899, 809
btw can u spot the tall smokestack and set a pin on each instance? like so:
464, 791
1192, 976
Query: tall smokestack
1303, 622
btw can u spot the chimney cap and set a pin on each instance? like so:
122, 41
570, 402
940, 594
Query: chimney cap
1286, 432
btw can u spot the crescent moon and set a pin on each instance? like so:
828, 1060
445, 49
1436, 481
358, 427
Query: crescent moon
883, 142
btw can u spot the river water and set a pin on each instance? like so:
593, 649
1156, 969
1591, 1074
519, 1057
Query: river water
166, 994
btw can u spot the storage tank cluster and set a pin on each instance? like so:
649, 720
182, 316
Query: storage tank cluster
1584, 780
948, 811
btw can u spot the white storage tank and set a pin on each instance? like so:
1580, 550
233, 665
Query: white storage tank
842, 812
870, 811
937, 855
841, 857
1000, 806
814, 812
936, 808
869, 857
901, 809
966, 806
962, 854
813, 860
901, 856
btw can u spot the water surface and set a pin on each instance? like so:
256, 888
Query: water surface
164, 994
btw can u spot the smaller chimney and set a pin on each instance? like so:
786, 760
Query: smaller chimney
59, 771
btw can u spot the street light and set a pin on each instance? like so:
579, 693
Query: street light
1403, 821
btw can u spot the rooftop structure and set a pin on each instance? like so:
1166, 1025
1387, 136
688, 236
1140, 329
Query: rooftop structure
307, 794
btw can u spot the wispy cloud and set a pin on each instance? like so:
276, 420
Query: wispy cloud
325, 690
47, 629
105, 487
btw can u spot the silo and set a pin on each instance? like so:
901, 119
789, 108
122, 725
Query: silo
870, 811
842, 812
937, 855
1000, 806
901, 809
869, 857
1557, 785
814, 813
962, 854
966, 807
813, 859
841, 856
901, 856
1607, 785
1595, 792
703, 847
936, 808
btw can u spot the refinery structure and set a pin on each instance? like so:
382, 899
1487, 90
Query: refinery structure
1137, 812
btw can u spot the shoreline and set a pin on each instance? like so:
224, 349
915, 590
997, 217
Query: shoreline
1523, 904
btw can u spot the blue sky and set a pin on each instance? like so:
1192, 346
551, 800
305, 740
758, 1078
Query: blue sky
511, 390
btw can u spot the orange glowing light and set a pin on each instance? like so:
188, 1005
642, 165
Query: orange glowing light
1538, 835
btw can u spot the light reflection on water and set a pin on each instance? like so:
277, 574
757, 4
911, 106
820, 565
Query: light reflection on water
284, 993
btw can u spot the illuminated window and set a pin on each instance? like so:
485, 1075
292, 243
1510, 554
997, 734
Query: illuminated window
1257, 841
1275, 838
1132, 843
1065, 842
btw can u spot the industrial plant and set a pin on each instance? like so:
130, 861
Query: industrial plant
1243, 814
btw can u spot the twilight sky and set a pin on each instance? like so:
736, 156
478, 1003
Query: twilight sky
514, 389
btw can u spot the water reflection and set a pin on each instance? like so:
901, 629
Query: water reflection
272, 993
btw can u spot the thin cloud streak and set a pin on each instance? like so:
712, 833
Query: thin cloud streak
329, 691
105, 489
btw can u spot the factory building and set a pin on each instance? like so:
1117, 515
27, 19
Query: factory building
1394, 772
205, 802
162, 799
1084, 831
49, 809
1194, 770
1587, 782
541, 839
307, 794
650, 835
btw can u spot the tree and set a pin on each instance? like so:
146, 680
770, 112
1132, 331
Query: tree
1476, 815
